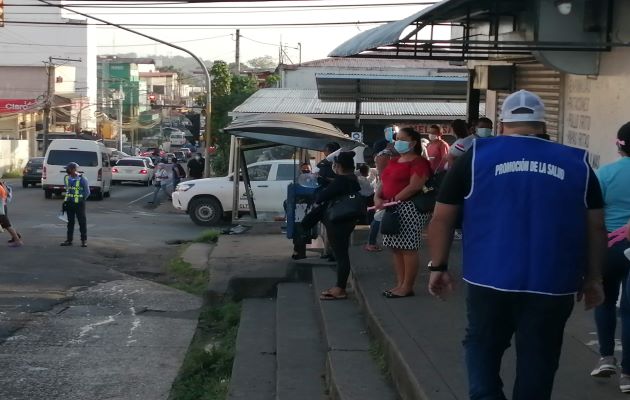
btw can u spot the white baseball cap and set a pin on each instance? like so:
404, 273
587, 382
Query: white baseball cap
523, 106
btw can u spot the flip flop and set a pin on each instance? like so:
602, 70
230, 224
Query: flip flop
391, 295
327, 296
372, 248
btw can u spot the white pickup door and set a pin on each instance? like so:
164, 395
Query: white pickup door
269, 182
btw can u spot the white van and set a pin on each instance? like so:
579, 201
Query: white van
93, 160
177, 139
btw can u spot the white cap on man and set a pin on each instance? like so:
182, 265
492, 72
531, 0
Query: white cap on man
523, 106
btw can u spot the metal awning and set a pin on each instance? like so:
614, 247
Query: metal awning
293, 130
482, 29
358, 87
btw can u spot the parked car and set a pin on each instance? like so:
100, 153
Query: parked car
132, 169
206, 200
187, 152
93, 160
181, 156
149, 152
32, 174
116, 155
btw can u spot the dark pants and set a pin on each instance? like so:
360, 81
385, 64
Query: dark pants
76, 210
339, 238
537, 321
615, 274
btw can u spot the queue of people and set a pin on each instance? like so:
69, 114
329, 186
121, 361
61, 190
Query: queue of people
528, 254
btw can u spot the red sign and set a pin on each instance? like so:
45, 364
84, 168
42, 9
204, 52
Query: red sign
17, 105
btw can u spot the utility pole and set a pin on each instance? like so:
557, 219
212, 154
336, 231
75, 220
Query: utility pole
121, 97
50, 92
238, 52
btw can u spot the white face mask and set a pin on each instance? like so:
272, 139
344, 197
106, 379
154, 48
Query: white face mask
484, 132
433, 137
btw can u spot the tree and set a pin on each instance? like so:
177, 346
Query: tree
264, 62
272, 80
221, 79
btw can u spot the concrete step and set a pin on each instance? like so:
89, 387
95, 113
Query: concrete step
254, 369
351, 372
300, 352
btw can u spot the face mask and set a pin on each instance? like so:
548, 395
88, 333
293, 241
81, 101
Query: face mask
433, 137
484, 132
197, 158
389, 134
402, 146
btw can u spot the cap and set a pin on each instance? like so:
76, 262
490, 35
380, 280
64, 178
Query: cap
523, 106
72, 165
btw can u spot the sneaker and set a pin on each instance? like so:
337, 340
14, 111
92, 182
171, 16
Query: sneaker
606, 367
18, 243
83, 243
66, 243
624, 383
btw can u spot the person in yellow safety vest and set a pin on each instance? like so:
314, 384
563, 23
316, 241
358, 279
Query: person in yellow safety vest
77, 192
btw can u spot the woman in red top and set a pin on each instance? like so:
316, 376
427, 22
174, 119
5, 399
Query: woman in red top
403, 178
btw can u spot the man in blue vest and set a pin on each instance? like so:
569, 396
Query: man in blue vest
77, 192
534, 237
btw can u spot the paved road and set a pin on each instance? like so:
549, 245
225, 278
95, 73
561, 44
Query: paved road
74, 322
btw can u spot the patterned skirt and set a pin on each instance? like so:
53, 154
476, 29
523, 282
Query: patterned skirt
411, 225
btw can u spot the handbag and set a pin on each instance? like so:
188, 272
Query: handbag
390, 224
425, 200
346, 207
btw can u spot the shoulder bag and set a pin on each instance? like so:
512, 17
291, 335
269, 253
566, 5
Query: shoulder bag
425, 200
346, 207
390, 223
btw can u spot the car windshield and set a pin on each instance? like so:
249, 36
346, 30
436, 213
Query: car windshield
130, 163
65, 157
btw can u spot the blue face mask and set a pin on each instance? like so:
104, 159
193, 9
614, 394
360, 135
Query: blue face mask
389, 134
484, 132
402, 146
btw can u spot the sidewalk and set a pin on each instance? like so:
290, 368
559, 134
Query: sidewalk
423, 337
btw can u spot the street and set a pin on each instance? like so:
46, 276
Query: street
80, 323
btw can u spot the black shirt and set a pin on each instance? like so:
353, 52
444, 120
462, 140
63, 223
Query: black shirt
341, 185
326, 173
458, 180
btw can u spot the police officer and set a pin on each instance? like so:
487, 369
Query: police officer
534, 237
77, 192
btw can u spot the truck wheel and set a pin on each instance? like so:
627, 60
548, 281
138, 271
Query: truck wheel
206, 211
98, 195
48, 194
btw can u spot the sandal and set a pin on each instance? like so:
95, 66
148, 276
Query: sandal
391, 295
372, 248
326, 295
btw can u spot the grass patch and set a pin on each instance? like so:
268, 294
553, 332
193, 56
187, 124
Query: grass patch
208, 236
184, 277
205, 374
377, 352
12, 174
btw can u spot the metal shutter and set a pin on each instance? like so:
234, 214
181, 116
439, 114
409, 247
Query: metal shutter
546, 83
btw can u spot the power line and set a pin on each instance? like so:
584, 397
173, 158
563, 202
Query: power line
121, 45
265, 25
186, 5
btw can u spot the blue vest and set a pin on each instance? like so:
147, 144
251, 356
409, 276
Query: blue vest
525, 217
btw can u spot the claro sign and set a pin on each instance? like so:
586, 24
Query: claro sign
17, 105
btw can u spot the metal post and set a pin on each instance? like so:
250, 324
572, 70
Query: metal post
236, 179
248, 186
473, 97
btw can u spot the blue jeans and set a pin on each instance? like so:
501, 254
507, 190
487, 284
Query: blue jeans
375, 227
537, 321
615, 276
156, 192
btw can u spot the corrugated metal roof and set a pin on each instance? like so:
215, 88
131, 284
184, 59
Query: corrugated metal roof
375, 63
305, 101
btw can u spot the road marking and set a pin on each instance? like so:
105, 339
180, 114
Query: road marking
137, 200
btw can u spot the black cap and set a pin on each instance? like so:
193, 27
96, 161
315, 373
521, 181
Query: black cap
346, 159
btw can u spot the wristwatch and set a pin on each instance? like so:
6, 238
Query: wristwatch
437, 268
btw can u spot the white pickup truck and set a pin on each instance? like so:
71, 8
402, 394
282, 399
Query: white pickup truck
207, 200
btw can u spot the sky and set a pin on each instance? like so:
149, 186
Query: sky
213, 43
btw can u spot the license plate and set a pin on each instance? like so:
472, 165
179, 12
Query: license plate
129, 171
38, 170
